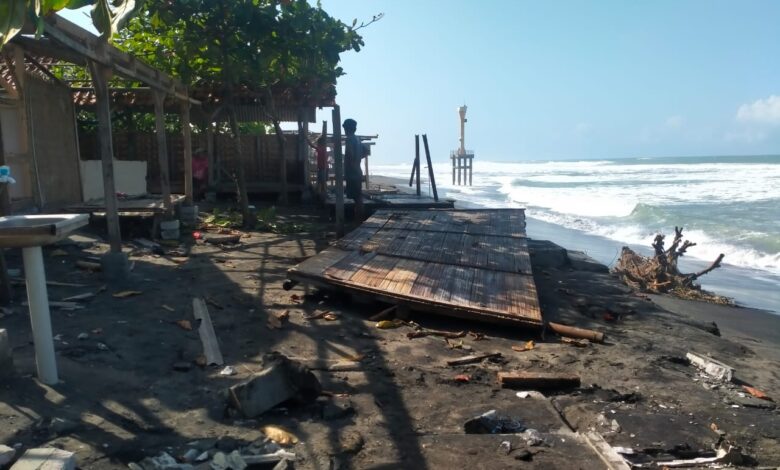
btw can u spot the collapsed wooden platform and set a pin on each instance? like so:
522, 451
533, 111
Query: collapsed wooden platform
130, 205
464, 263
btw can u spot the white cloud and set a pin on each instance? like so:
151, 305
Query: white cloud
763, 111
674, 122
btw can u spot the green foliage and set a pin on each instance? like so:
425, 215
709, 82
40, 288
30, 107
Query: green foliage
267, 221
252, 44
107, 15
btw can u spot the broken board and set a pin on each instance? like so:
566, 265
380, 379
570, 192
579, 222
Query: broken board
470, 264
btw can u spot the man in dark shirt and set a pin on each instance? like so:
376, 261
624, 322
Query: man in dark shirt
353, 153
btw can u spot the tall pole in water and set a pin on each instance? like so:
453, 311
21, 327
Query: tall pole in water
462, 113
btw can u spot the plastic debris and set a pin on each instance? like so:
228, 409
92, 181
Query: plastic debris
529, 345
227, 371
389, 324
279, 435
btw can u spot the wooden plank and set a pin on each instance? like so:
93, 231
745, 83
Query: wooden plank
162, 152
537, 380
345, 268
186, 134
206, 331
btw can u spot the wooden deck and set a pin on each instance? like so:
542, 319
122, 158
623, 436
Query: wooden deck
464, 263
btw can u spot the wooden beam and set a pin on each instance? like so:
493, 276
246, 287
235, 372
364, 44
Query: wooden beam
339, 169
162, 152
206, 331
100, 76
430, 169
417, 160
186, 133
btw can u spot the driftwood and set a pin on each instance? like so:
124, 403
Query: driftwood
659, 274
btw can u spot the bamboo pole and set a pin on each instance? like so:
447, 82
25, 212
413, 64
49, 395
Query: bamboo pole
339, 169
162, 152
100, 75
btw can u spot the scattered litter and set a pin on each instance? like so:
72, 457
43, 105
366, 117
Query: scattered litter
505, 447
577, 333
168, 308
731, 455
231, 461
7, 454
213, 303
389, 324
85, 296
57, 338
88, 265
279, 435
318, 314
58, 252
523, 394
227, 371
61, 305
184, 324
474, 358
277, 321
756, 392
462, 378
529, 345
82, 336
711, 367
443, 334
384, 314
491, 422
102, 347
206, 331
577, 343
127, 293
538, 380
533, 438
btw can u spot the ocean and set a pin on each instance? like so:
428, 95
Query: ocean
727, 205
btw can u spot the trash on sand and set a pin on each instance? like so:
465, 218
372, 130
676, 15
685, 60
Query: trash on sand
318, 314
756, 392
184, 324
711, 367
88, 265
103, 347
208, 337
731, 455
127, 293
443, 334
457, 345
47, 458
85, 296
384, 314
532, 437
58, 252
228, 371
462, 378
491, 422
477, 336
231, 461
277, 320
281, 379
538, 380
82, 336
389, 324
523, 394
168, 308
279, 435
578, 333
505, 447
577, 343
474, 358
529, 345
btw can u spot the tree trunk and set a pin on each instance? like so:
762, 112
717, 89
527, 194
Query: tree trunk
243, 197
660, 274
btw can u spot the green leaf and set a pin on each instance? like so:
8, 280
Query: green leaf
12, 15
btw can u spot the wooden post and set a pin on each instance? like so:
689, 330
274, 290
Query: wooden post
186, 134
306, 159
460, 168
162, 151
5, 209
471, 168
100, 75
430, 168
339, 169
327, 173
417, 160
213, 173
452, 157
365, 164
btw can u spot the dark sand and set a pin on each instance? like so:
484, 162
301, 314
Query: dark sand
127, 402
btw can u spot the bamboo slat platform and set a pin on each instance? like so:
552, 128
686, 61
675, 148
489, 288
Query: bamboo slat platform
148, 204
463, 263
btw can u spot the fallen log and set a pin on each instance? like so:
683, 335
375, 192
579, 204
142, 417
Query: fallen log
659, 274
538, 380
577, 333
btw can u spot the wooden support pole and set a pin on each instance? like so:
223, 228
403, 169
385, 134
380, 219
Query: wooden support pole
471, 169
365, 165
186, 134
417, 161
460, 168
339, 169
210, 154
306, 160
452, 157
162, 152
430, 168
100, 75
327, 173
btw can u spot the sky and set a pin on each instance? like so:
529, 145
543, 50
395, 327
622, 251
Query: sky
564, 79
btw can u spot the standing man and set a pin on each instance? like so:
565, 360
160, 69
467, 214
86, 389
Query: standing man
353, 153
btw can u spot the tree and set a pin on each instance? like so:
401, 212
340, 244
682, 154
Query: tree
107, 15
255, 48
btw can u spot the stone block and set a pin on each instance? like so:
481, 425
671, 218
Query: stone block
46, 458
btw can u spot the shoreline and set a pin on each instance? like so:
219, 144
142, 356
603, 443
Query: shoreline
747, 292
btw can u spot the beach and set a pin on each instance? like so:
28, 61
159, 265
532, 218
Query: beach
393, 401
